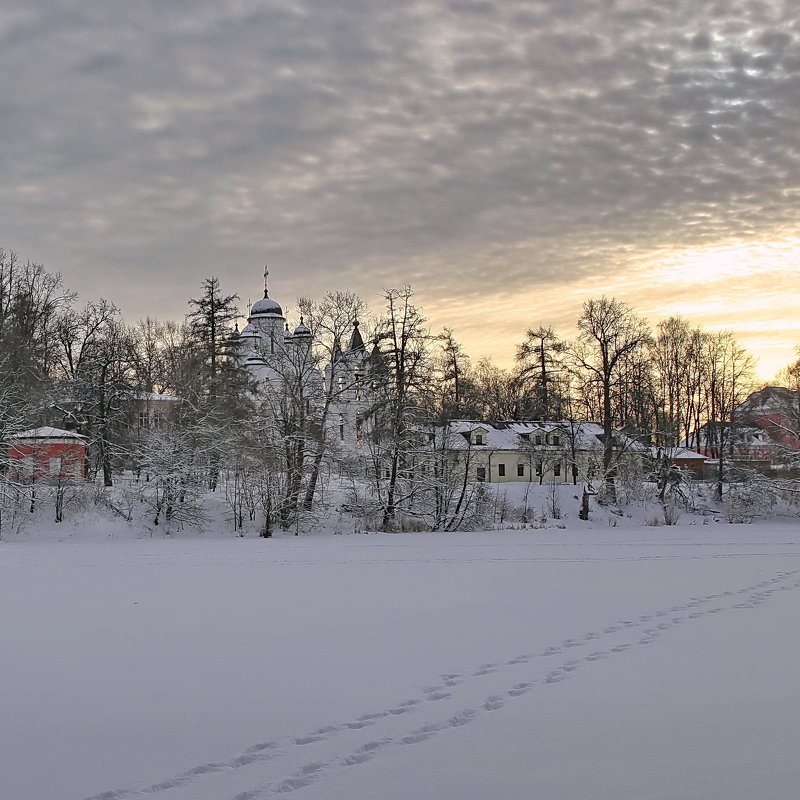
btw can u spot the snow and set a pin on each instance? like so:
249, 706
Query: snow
603, 663
511, 435
47, 432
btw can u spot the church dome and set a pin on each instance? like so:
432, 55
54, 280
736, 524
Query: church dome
249, 332
255, 360
302, 329
266, 307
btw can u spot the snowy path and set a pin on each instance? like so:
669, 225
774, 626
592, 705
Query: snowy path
546, 613
505, 681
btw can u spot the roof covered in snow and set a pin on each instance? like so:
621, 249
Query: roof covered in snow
47, 432
678, 453
266, 307
153, 396
770, 400
515, 435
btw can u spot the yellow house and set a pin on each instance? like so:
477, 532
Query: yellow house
535, 452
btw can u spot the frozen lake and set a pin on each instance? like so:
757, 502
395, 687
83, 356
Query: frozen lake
650, 663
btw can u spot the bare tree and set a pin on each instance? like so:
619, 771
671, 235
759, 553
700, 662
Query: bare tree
730, 369
400, 377
451, 371
539, 365
331, 320
491, 392
609, 330
95, 355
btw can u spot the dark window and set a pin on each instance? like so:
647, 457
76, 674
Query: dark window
556, 470
539, 468
537, 439
480, 474
556, 440
501, 470
478, 438
359, 430
520, 470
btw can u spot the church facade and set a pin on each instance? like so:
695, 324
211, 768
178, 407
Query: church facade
288, 378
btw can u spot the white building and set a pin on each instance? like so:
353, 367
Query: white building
279, 360
531, 451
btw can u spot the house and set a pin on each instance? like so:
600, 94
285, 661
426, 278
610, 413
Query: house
541, 452
683, 458
153, 411
764, 433
46, 453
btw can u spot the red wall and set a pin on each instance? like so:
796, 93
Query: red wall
68, 456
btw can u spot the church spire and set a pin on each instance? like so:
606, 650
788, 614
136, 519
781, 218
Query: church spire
356, 342
266, 279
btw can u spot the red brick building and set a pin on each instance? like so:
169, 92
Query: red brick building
47, 453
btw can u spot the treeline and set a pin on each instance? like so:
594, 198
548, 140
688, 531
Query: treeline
80, 366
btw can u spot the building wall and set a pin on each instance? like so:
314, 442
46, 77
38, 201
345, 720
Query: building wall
36, 460
523, 466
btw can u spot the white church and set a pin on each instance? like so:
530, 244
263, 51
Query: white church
282, 365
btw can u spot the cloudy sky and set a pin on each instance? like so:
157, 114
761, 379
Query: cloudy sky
508, 158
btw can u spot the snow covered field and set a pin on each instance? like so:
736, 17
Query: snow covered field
641, 663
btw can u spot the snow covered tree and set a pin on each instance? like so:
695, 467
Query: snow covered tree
400, 378
31, 300
609, 331
95, 353
172, 464
331, 320
222, 389
785, 426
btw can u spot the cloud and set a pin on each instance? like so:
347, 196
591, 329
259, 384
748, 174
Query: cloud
472, 148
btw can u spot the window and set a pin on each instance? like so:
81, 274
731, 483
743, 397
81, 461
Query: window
556, 440
144, 420
538, 467
501, 470
480, 474
341, 427
556, 470
359, 429
478, 438
520, 470
537, 439
574, 470
55, 465
357, 379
